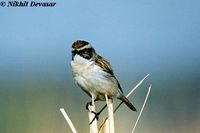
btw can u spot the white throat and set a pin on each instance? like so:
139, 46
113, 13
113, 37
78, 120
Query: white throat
80, 60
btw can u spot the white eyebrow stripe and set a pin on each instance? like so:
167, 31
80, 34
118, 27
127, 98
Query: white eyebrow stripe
85, 47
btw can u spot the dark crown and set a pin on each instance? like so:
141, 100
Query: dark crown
82, 48
79, 44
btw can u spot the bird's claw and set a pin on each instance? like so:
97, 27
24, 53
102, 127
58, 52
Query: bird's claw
88, 104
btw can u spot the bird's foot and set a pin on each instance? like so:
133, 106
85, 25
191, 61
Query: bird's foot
88, 104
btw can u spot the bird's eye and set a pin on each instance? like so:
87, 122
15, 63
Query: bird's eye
86, 54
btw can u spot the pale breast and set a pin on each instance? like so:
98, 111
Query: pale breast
92, 78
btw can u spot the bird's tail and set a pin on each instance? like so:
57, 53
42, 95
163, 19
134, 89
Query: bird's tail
127, 102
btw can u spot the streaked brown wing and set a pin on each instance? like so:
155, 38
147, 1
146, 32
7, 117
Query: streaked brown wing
100, 61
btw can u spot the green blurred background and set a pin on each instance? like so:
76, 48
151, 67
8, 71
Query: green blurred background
137, 37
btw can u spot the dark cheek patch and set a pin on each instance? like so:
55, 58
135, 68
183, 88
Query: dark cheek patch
86, 53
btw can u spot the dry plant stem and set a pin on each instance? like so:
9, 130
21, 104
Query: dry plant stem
93, 125
110, 114
137, 86
104, 128
132, 91
134, 88
141, 109
68, 120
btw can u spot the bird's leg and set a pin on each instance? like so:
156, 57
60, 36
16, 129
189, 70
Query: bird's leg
90, 104
109, 103
96, 115
93, 126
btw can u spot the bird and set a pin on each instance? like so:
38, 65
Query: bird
94, 74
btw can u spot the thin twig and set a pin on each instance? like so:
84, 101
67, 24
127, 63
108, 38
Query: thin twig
132, 90
141, 109
137, 86
68, 120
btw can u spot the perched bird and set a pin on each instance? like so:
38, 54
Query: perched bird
94, 74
